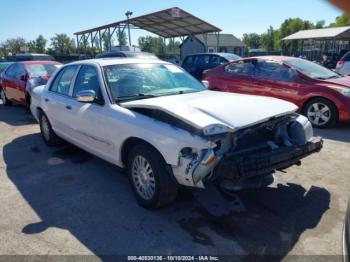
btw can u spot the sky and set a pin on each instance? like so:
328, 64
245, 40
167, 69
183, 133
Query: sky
29, 18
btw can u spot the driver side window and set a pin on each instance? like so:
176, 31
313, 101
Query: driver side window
87, 79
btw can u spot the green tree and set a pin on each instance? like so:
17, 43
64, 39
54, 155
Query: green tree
121, 36
14, 45
62, 44
31, 46
343, 20
268, 39
252, 40
105, 42
320, 24
40, 44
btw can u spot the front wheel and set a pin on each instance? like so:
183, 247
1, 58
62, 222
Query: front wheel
321, 112
151, 182
49, 136
4, 99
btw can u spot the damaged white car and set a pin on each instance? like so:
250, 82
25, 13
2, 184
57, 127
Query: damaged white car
168, 130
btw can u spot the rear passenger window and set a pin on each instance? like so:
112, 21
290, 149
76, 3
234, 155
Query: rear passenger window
274, 71
189, 60
203, 60
62, 82
11, 71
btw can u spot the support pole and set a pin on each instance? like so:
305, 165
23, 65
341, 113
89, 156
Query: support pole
78, 49
109, 39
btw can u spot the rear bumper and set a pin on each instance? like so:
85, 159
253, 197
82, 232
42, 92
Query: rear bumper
236, 166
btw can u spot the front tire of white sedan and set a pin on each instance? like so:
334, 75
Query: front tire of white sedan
49, 136
151, 182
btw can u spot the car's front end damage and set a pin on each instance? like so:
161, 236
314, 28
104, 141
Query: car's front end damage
251, 153
243, 137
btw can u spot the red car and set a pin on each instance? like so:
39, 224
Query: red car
321, 94
19, 78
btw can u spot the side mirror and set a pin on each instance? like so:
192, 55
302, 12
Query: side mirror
86, 96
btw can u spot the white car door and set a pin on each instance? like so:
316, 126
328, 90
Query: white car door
57, 101
90, 120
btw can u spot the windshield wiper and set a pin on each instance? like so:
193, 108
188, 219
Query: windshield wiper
136, 96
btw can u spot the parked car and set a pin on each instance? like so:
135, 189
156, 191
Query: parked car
196, 64
320, 94
343, 65
33, 57
19, 78
130, 54
153, 118
346, 235
3, 66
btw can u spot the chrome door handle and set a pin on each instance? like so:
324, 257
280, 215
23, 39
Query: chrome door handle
68, 107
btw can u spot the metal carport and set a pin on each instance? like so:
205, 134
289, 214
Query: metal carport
168, 23
331, 40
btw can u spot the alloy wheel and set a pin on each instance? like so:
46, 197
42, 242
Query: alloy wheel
45, 127
143, 178
319, 114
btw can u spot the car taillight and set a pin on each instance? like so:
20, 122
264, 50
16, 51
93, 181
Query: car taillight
340, 63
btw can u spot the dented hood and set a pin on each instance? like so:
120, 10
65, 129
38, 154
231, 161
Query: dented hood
210, 107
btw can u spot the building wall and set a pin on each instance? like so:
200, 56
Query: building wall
191, 46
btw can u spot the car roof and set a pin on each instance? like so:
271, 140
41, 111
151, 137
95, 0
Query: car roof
120, 61
31, 54
217, 53
273, 58
44, 62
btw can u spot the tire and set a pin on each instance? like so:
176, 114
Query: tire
4, 99
49, 136
321, 112
147, 170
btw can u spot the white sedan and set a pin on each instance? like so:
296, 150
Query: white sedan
167, 129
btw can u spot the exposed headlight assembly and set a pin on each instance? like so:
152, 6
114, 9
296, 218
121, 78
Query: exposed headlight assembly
215, 129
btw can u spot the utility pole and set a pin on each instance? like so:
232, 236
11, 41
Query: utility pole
128, 14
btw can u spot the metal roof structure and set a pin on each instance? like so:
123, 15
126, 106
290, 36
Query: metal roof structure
172, 22
168, 23
224, 40
321, 34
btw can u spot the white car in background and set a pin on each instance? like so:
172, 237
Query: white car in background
160, 123
343, 65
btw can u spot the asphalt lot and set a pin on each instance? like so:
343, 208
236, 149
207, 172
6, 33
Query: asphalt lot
65, 201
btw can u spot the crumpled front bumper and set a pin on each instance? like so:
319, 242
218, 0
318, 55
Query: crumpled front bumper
237, 165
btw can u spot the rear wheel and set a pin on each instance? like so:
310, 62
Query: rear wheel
49, 136
4, 99
321, 112
151, 182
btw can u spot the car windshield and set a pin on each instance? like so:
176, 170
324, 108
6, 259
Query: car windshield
39, 70
139, 81
311, 69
